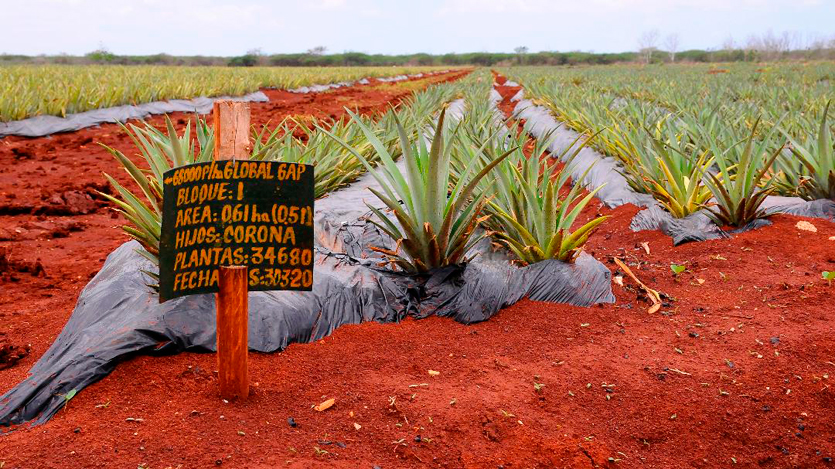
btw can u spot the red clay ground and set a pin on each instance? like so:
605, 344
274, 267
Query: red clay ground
733, 370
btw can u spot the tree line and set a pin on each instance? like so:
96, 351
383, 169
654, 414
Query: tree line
651, 49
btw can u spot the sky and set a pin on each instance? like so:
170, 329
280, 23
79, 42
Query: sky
232, 27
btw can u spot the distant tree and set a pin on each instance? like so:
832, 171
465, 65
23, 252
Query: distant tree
63, 58
671, 43
814, 45
520, 53
101, 55
647, 44
728, 44
772, 46
318, 50
354, 59
247, 60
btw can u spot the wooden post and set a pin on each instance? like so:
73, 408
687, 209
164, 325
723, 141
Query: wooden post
231, 130
232, 332
232, 142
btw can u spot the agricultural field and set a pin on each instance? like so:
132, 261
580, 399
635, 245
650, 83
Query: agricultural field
706, 112
599, 266
58, 90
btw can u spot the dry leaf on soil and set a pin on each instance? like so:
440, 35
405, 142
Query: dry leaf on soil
652, 294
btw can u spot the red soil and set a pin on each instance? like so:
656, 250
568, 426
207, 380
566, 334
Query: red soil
507, 92
735, 368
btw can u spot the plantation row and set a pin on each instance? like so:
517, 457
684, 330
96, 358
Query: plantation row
437, 198
691, 134
726, 158
58, 90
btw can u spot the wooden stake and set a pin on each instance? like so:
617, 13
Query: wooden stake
231, 130
232, 332
232, 142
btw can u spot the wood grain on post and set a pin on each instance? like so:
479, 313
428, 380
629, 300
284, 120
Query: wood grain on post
232, 332
232, 142
231, 130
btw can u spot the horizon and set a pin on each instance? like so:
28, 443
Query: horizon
598, 26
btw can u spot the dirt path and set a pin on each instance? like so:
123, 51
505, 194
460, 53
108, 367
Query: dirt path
734, 369
56, 231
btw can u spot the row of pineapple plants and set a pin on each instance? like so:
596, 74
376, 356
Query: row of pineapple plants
474, 180
164, 149
722, 157
35, 90
463, 181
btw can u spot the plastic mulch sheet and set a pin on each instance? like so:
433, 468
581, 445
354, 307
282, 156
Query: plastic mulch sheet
40, 126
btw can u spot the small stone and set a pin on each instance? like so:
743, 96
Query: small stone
77, 430
694, 335
292, 422
775, 340
417, 439
806, 226
766, 408
801, 427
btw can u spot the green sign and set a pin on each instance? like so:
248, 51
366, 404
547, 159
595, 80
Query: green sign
253, 213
